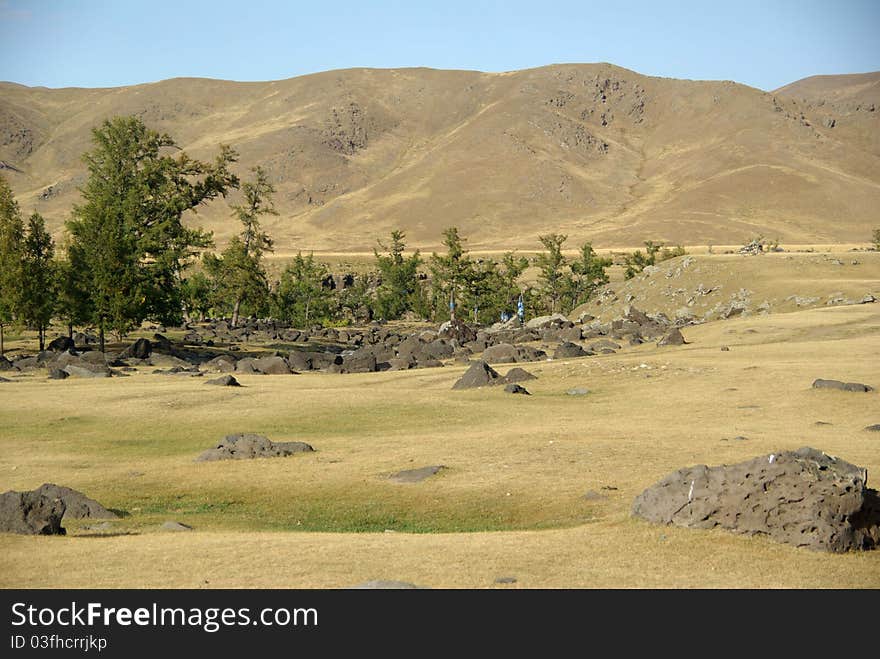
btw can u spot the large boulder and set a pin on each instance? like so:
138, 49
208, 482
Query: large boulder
140, 349
515, 375
362, 360
568, 350
480, 374
299, 361
5, 364
500, 353
31, 513
272, 365
77, 504
457, 329
437, 349
673, 337
61, 344
803, 498
85, 369
221, 364
249, 445
224, 381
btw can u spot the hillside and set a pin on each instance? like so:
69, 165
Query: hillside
591, 150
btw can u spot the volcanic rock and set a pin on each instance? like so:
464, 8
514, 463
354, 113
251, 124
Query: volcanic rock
31, 513
249, 445
225, 381
803, 498
479, 374
416, 475
842, 386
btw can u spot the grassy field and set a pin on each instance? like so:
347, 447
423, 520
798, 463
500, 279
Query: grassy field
510, 502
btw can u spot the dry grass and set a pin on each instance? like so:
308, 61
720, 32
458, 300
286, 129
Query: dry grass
517, 468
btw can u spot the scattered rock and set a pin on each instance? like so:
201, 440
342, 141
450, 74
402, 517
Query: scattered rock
58, 374
803, 498
725, 349
673, 337
175, 526
501, 353
224, 381
61, 344
31, 513
140, 349
567, 350
479, 374
86, 369
516, 389
873, 427
578, 391
842, 386
822, 423
505, 580
416, 475
248, 446
516, 374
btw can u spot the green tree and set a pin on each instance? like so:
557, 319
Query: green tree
197, 294
11, 245
300, 298
450, 274
637, 261
128, 239
38, 285
875, 239
238, 280
400, 290
588, 274
553, 280
257, 202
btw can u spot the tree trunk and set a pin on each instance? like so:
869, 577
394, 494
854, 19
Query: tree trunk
452, 304
69, 330
101, 336
41, 332
235, 312
1, 339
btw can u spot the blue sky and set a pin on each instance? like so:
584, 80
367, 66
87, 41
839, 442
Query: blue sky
99, 43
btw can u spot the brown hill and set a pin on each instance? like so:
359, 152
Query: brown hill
591, 150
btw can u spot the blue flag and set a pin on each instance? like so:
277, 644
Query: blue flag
520, 308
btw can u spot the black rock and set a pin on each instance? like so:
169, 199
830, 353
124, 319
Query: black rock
842, 386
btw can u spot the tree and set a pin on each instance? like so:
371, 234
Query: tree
636, 262
11, 245
875, 239
257, 202
38, 285
128, 240
400, 290
589, 273
552, 263
238, 280
197, 294
300, 298
450, 273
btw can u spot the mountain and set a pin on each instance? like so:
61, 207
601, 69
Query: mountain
590, 150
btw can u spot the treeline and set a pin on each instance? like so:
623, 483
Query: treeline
127, 256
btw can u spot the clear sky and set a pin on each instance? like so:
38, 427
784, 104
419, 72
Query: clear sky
99, 43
